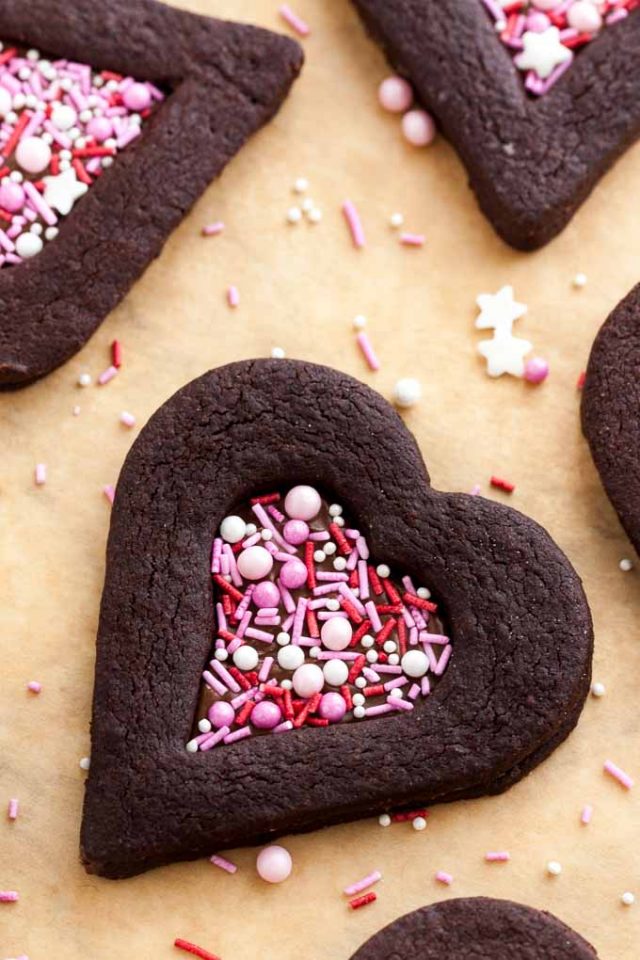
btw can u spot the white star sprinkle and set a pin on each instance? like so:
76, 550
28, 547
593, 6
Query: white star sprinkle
61, 192
504, 354
542, 52
499, 310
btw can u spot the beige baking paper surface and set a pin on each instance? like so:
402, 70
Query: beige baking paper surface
300, 288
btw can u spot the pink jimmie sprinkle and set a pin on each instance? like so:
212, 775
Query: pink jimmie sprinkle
40, 474
224, 864
127, 419
587, 814
109, 491
412, 239
107, 375
295, 22
497, 856
618, 774
213, 229
354, 223
12, 810
360, 885
34, 686
367, 350
9, 896
443, 877
233, 296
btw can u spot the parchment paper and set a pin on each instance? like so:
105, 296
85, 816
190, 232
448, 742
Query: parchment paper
300, 288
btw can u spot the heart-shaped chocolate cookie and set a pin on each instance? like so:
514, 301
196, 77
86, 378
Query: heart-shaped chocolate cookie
510, 603
67, 115
610, 405
531, 160
474, 928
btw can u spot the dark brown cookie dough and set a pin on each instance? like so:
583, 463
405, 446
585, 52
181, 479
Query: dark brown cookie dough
476, 928
611, 410
518, 619
530, 162
228, 80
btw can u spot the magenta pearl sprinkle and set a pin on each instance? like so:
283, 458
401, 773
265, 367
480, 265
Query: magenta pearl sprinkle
536, 370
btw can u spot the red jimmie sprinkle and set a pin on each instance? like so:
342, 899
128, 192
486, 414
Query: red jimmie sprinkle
195, 950
266, 499
419, 602
340, 539
244, 713
364, 627
351, 610
581, 380
374, 580
308, 562
116, 354
362, 901
409, 815
358, 664
386, 631
227, 587
502, 484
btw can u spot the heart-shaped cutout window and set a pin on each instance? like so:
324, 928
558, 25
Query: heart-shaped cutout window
309, 631
544, 36
63, 124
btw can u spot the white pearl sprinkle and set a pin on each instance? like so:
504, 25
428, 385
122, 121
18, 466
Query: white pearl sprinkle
626, 565
407, 392
395, 693
315, 215
286, 684
359, 700
361, 683
266, 534
192, 746
367, 641
372, 656
580, 280
339, 564
329, 548
283, 639
394, 659
301, 184
628, 898
278, 353
84, 380
383, 571
358, 713
204, 725
335, 510
598, 689
339, 521
319, 556
396, 220
294, 215
359, 322
332, 604
222, 654
384, 820
419, 823
307, 204
554, 868
251, 529
390, 646
85, 763
423, 593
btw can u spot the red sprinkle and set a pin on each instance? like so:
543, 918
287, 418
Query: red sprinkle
345, 690
227, 587
340, 539
409, 815
418, 602
116, 354
308, 562
244, 713
581, 380
386, 631
502, 484
362, 901
351, 611
266, 499
364, 627
196, 951
374, 580
358, 664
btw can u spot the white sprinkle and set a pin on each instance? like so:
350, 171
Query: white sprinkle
360, 321
407, 392
301, 185
383, 571
396, 220
423, 593
266, 534
626, 565
319, 556
580, 280
419, 823
554, 869
598, 689
335, 510
222, 654
359, 699
85, 763
192, 746
204, 725
84, 380
628, 898
294, 215
384, 820
307, 204
315, 215
278, 353
358, 713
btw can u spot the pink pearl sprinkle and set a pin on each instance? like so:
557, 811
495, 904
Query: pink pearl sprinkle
40, 474
137, 97
536, 370
395, 94
34, 686
618, 774
274, 864
233, 296
127, 419
443, 877
418, 128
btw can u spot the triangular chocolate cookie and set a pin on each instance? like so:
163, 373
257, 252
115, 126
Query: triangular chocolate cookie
222, 82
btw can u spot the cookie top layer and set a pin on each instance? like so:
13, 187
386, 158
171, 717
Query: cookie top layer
519, 625
610, 410
531, 162
227, 80
476, 928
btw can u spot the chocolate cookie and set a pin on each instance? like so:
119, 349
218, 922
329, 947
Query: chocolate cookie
222, 81
610, 405
474, 928
532, 159
487, 581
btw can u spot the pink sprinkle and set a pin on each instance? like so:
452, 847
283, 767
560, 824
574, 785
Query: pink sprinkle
40, 474
224, 864
34, 686
618, 774
12, 811
475, 490
412, 239
295, 22
353, 222
233, 296
213, 229
109, 491
238, 735
445, 878
211, 739
127, 419
360, 885
107, 375
587, 814
367, 349
283, 727
497, 856
9, 896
